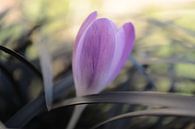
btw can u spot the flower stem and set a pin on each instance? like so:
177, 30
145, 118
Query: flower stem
78, 110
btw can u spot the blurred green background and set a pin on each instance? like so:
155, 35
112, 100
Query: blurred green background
163, 58
165, 34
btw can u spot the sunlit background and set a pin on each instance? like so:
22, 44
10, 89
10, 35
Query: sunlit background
165, 32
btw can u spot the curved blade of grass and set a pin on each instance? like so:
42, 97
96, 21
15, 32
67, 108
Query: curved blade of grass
129, 97
37, 106
21, 58
46, 68
13, 82
151, 112
31, 110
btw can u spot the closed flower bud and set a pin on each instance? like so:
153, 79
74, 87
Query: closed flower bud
100, 51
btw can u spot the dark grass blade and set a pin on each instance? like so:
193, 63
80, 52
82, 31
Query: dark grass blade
37, 106
142, 98
46, 68
151, 112
21, 58
22, 117
15, 85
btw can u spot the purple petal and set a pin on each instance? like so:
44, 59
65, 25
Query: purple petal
88, 21
129, 41
125, 41
93, 58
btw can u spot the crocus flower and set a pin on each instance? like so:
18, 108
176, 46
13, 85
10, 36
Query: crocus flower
100, 51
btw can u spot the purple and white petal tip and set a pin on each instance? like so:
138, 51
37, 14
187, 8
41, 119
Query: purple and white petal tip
88, 21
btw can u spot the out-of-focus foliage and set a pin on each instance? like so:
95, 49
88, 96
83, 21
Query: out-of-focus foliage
163, 58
